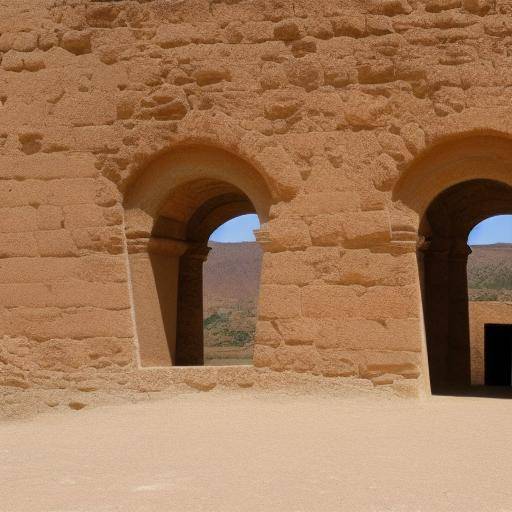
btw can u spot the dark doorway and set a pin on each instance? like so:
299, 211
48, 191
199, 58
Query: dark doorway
498, 355
442, 256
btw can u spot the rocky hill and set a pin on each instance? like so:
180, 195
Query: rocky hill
231, 273
231, 281
490, 272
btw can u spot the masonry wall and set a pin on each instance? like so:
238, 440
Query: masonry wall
330, 100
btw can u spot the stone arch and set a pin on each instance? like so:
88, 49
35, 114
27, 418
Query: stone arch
170, 212
450, 161
215, 131
445, 193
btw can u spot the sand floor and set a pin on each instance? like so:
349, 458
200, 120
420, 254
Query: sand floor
227, 451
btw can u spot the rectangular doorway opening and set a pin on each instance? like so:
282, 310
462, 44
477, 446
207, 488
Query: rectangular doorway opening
498, 354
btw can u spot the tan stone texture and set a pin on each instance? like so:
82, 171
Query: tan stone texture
139, 126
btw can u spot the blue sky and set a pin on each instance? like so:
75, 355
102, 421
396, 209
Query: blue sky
490, 231
238, 229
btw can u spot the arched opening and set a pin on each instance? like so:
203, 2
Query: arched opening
230, 291
171, 214
490, 301
443, 254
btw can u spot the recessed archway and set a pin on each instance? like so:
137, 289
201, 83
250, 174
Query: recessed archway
442, 196
171, 211
442, 259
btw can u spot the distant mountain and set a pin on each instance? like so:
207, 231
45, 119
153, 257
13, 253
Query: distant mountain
232, 273
490, 272
231, 284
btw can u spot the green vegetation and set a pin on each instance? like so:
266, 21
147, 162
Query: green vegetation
231, 326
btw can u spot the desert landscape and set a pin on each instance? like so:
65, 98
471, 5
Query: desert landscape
490, 273
231, 286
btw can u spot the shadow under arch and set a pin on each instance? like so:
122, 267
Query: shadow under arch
452, 188
170, 212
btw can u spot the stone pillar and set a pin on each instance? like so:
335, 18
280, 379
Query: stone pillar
445, 297
154, 268
435, 273
459, 355
189, 331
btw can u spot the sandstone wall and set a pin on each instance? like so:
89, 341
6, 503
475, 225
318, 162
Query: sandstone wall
332, 101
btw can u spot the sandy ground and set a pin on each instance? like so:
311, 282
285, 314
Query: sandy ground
251, 452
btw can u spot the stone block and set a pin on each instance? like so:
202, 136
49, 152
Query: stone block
349, 26
47, 166
288, 233
399, 335
100, 239
365, 229
95, 108
375, 363
69, 355
386, 302
172, 36
17, 245
306, 73
337, 363
365, 268
83, 216
56, 243
266, 334
326, 301
287, 30
298, 331
77, 41
49, 217
12, 61
298, 358
480, 7
25, 42
6, 41
390, 7
75, 323
18, 220
286, 268
75, 293
72, 191
21, 193
279, 301
262, 356
65, 294
327, 230
96, 268
322, 203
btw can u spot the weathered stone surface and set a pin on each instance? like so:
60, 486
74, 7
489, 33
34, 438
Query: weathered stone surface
121, 120
279, 301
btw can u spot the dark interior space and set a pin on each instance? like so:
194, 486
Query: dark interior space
442, 258
498, 354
